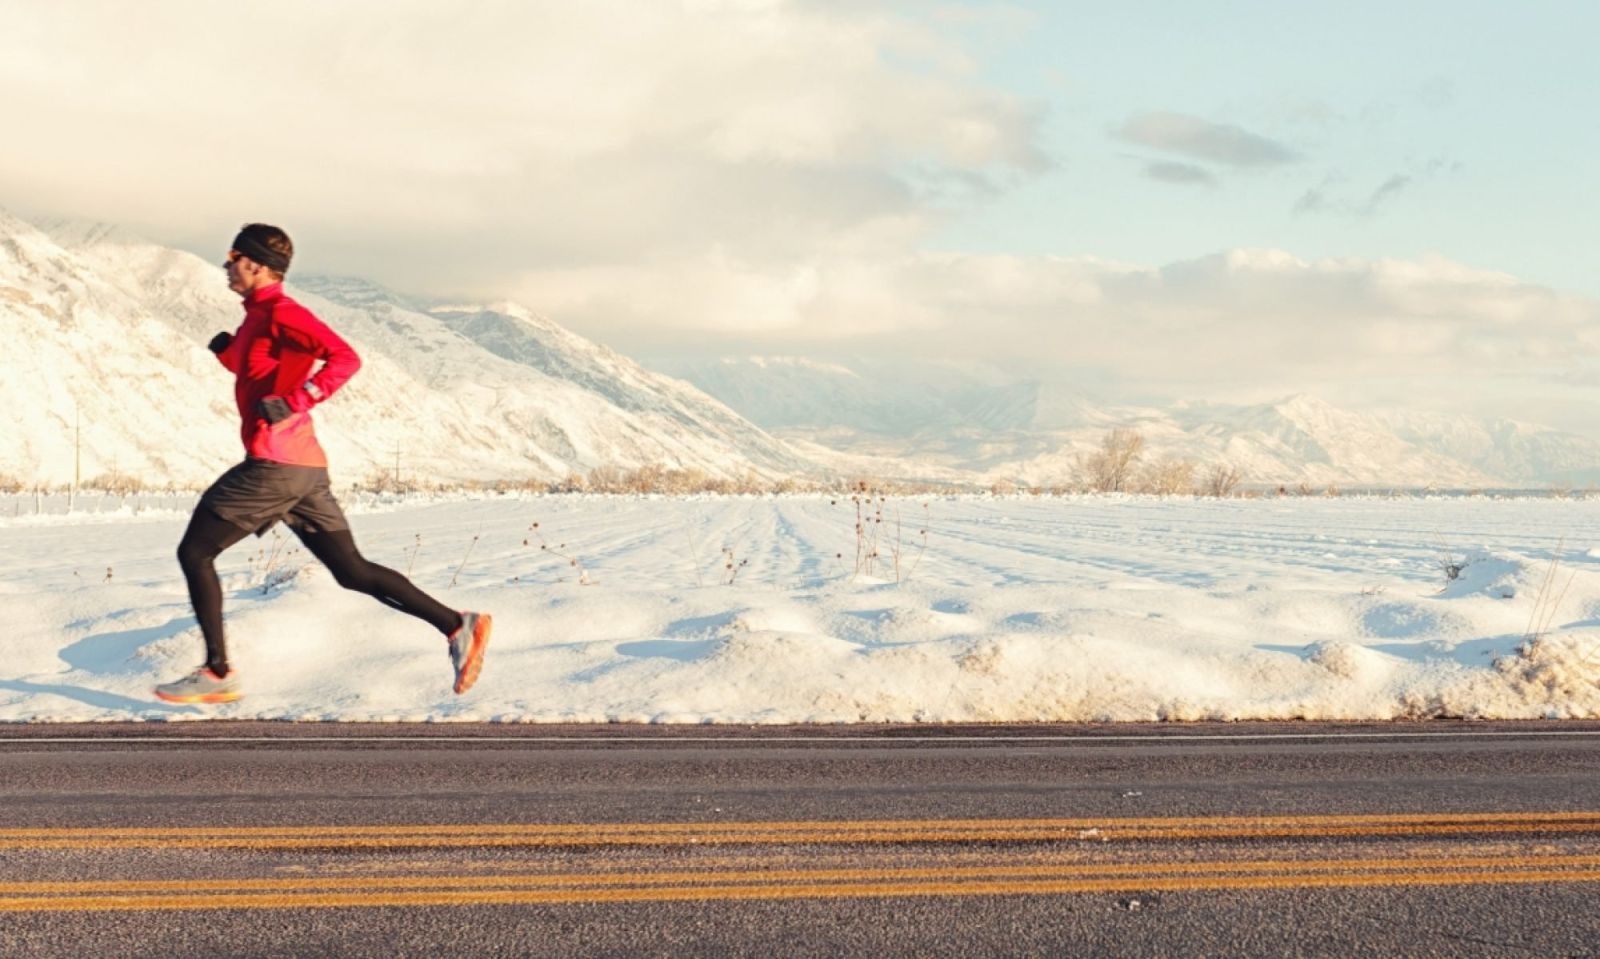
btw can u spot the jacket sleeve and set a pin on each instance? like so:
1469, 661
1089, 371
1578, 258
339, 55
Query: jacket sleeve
298, 326
229, 358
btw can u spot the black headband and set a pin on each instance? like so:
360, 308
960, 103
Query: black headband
258, 251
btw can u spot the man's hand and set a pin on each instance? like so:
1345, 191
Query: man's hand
220, 342
274, 409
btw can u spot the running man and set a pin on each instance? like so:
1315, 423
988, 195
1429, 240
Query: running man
285, 474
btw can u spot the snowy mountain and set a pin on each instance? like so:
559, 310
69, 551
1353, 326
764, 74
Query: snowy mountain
83, 359
944, 421
110, 330
883, 397
1502, 447
106, 373
788, 392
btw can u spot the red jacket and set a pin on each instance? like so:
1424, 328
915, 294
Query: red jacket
271, 355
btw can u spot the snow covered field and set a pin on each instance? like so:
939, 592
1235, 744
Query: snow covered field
1100, 608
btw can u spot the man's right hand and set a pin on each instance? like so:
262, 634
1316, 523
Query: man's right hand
220, 342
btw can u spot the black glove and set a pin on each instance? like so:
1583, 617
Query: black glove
219, 342
274, 409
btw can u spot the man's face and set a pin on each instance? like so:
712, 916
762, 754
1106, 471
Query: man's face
244, 274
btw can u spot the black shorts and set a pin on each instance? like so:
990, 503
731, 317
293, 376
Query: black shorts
256, 494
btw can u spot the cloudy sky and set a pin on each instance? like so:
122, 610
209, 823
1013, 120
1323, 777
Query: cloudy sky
1381, 203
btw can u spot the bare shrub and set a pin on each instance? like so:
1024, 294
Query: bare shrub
680, 482
750, 483
264, 563
384, 481
606, 478
863, 485
671, 481
745, 484
1170, 477
648, 478
879, 530
1222, 480
869, 506
869, 522
1110, 468
1546, 602
732, 565
117, 484
574, 483
560, 550
895, 547
468, 555
718, 486
10, 484
414, 551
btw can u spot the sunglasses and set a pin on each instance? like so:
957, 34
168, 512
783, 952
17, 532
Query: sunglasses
234, 256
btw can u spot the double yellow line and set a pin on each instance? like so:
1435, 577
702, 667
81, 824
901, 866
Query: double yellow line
670, 886
634, 884
799, 833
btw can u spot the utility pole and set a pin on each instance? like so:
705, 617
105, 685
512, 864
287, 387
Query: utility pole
77, 454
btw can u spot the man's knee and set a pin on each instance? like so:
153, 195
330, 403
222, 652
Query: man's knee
350, 570
205, 539
192, 553
349, 578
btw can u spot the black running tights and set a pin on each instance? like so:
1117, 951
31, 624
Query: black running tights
209, 534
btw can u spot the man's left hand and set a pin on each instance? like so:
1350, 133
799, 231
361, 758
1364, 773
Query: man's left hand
274, 409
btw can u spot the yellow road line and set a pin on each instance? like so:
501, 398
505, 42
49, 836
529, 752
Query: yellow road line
755, 883
490, 897
763, 834
1369, 866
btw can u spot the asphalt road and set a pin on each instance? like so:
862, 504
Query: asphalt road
1240, 840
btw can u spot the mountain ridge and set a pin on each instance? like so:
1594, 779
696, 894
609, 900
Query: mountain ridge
115, 326
1037, 432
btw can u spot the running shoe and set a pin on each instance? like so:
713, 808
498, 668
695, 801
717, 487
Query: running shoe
202, 686
467, 644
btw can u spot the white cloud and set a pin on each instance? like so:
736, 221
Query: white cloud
1262, 316
675, 176
450, 147
1245, 325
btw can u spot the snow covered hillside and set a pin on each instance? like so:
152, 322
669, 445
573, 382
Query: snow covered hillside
109, 332
755, 610
950, 419
108, 377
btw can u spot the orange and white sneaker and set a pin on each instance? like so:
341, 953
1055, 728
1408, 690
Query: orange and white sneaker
202, 686
466, 648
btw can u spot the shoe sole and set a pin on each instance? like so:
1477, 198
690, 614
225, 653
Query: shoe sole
209, 699
474, 661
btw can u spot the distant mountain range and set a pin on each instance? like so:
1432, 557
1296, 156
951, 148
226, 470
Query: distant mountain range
949, 420
105, 372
